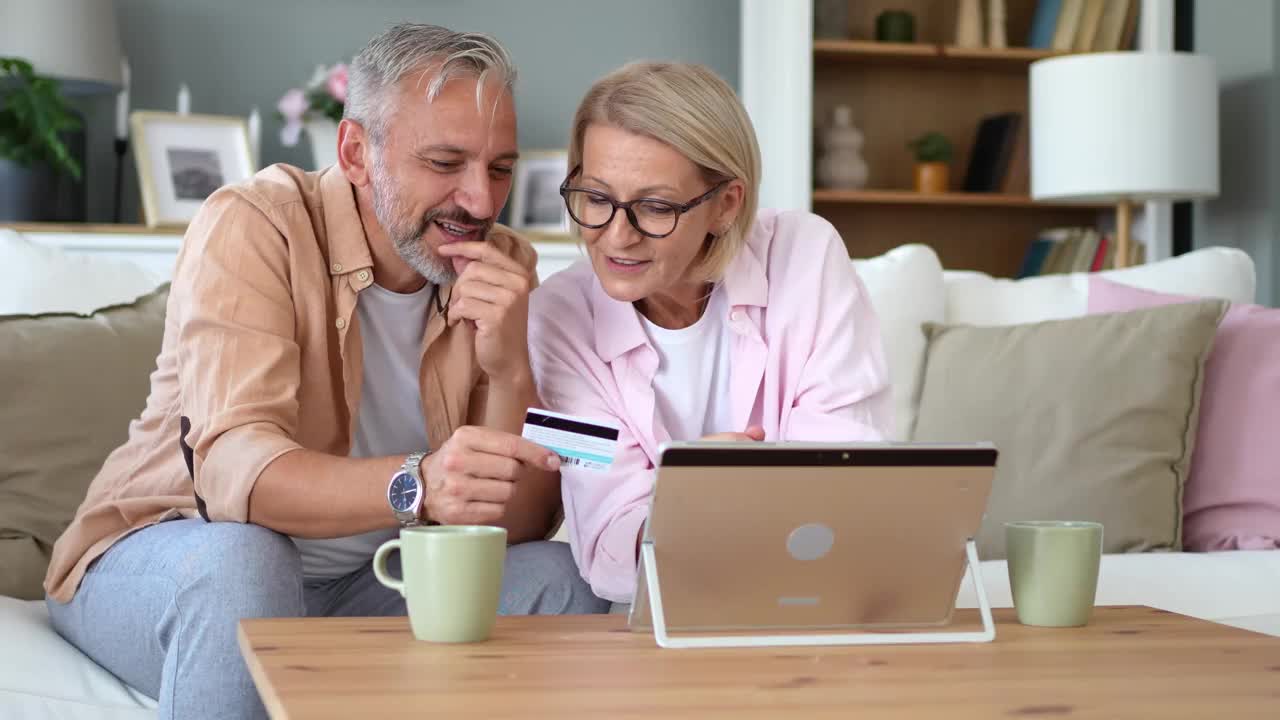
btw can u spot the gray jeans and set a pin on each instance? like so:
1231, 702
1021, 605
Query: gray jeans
161, 607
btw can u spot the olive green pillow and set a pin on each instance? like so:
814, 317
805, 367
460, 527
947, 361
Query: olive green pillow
1094, 417
69, 386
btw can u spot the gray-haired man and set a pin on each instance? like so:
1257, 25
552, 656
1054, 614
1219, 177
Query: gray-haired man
345, 353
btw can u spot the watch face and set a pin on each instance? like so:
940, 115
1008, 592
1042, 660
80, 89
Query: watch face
403, 492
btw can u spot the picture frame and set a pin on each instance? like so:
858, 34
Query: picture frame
182, 159
536, 206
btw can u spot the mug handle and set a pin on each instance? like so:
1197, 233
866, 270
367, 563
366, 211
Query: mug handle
380, 565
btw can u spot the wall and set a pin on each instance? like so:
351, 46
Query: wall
1241, 37
235, 54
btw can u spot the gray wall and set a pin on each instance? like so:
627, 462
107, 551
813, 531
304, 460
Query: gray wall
235, 54
1241, 36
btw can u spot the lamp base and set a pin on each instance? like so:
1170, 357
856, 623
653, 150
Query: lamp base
1124, 218
121, 146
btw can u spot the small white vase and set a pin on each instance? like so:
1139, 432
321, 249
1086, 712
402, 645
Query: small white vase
324, 142
841, 164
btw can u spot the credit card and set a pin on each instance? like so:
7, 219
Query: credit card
580, 442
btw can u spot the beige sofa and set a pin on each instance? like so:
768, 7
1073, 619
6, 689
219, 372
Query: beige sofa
41, 676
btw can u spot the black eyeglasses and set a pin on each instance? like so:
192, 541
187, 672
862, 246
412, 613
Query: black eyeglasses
652, 217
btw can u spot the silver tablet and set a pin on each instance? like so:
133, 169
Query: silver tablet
811, 536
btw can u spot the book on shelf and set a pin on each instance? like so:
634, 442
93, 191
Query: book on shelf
1119, 27
1043, 24
1090, 18
1063, 250
1064, 32
1084, 25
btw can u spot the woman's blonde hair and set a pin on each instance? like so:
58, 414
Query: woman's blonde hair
698, 114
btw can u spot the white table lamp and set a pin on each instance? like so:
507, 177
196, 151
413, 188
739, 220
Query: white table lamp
1124, 127
75, 41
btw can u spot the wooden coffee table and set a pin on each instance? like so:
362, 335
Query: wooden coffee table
1128, 663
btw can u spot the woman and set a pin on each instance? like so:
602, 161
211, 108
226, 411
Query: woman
697, 316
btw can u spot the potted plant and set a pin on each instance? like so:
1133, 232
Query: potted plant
318, 107
32, 155
933, 162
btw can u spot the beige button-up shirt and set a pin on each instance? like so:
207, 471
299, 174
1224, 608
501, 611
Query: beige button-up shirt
262, 356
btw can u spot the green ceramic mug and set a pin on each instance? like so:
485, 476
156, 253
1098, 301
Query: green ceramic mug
1053, 570
452, 579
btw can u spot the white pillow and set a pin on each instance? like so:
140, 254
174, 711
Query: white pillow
906, 290
39, 279
42, 675
979, 299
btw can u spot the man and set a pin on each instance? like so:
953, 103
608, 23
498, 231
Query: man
327, 334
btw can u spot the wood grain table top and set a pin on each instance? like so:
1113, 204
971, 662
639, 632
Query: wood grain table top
1130, 662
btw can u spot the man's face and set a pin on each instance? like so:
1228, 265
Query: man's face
443, 170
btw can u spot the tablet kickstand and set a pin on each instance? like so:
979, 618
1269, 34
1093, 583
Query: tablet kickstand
987, 634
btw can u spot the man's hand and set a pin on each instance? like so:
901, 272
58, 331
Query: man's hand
492, 293
472, 476
755, 433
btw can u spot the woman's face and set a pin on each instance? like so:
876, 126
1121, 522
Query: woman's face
626, 166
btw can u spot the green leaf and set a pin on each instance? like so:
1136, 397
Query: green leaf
32, 114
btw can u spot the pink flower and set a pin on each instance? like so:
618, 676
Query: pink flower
292, 106
337, 82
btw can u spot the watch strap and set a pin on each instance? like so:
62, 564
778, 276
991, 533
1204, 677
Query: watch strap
412, 465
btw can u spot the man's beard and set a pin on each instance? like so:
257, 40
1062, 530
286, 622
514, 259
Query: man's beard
408, 235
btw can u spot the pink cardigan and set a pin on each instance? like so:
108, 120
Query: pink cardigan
807, 364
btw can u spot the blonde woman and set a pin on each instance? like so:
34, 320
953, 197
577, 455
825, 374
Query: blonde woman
697, 315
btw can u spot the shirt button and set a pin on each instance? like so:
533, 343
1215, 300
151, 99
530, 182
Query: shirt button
337, 267
736, 316
340, 322
363, 276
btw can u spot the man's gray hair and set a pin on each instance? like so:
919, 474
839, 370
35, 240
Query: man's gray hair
408, 48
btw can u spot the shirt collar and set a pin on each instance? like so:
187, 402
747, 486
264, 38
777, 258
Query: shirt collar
617, 324
348, 244
745, 279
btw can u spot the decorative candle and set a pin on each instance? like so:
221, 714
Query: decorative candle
255, 133
122, 103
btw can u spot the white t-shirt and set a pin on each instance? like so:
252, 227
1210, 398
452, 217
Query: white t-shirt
390, 419
691, 387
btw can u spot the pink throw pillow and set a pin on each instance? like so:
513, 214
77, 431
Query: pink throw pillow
1232, 498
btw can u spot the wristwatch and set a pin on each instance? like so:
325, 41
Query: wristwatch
406, 491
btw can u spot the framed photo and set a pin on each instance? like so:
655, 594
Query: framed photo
182, 159
536, 205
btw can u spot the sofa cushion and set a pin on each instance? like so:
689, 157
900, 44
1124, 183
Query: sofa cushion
906, 289
38, 279
1094, 417
44, 676
978, 299
69, 386
1232, 499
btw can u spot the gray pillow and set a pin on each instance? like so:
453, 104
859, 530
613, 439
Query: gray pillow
1094, 417
69, 387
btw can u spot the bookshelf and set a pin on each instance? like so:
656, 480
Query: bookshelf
899, 91
910, 197
926, 55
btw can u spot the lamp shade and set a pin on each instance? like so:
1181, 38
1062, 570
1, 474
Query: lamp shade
1124, 126
76, 42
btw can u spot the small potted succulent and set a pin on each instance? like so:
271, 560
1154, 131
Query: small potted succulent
933, 153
